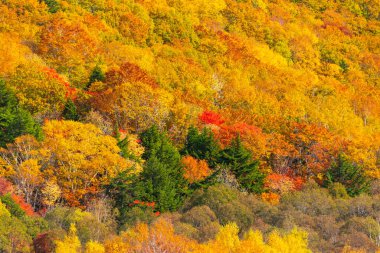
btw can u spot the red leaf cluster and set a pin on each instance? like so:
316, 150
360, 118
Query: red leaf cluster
227, 132
5, 186
43, 243
122, 131
283, 183
142, 203
28, 209
210, 117
70, 91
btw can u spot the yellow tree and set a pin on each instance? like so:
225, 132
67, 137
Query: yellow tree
94, 247
36, 90
11, 52
227, 240
80, 158
159, 237
201, 10
50, 193
135, 106
68, 45
294, 242
22, 167
70, 244
253, 243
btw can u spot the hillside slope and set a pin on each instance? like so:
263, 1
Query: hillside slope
156, 101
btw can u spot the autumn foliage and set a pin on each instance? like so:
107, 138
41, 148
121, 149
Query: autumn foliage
210, 117
191, 124
195, 170
70, 91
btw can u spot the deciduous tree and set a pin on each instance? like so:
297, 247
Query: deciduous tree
80, 158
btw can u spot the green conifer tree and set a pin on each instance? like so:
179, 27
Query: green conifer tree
202, 145
70, 111
14, 121
123, 145
243, 166
348, 174
97, 75
162, 178
53, 5
121, 189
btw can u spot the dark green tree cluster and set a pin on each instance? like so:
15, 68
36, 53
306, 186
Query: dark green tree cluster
161, 180
246, 170
122, 191
14, 121
202, 145
53, 5
70, 111
97, 75
348, 174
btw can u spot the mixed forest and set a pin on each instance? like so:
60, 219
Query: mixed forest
176, 126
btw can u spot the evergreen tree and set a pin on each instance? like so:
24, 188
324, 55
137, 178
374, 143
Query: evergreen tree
97, 75
162, 178
243, 167
348, 174
14, 121
125, 152
70, 111
53, 5
121, 189
123, 145
7, 98
207, 182
202, 146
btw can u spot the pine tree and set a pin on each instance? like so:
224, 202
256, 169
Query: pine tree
122, 189
162, 178
202, 146
123, 145
348, 174
97, 75
126, 149
14, 121
246, 170
7, 98
70, 111
53, 5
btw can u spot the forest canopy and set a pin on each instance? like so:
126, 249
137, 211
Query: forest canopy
189, 126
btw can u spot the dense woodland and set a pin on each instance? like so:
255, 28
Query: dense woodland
189, 126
